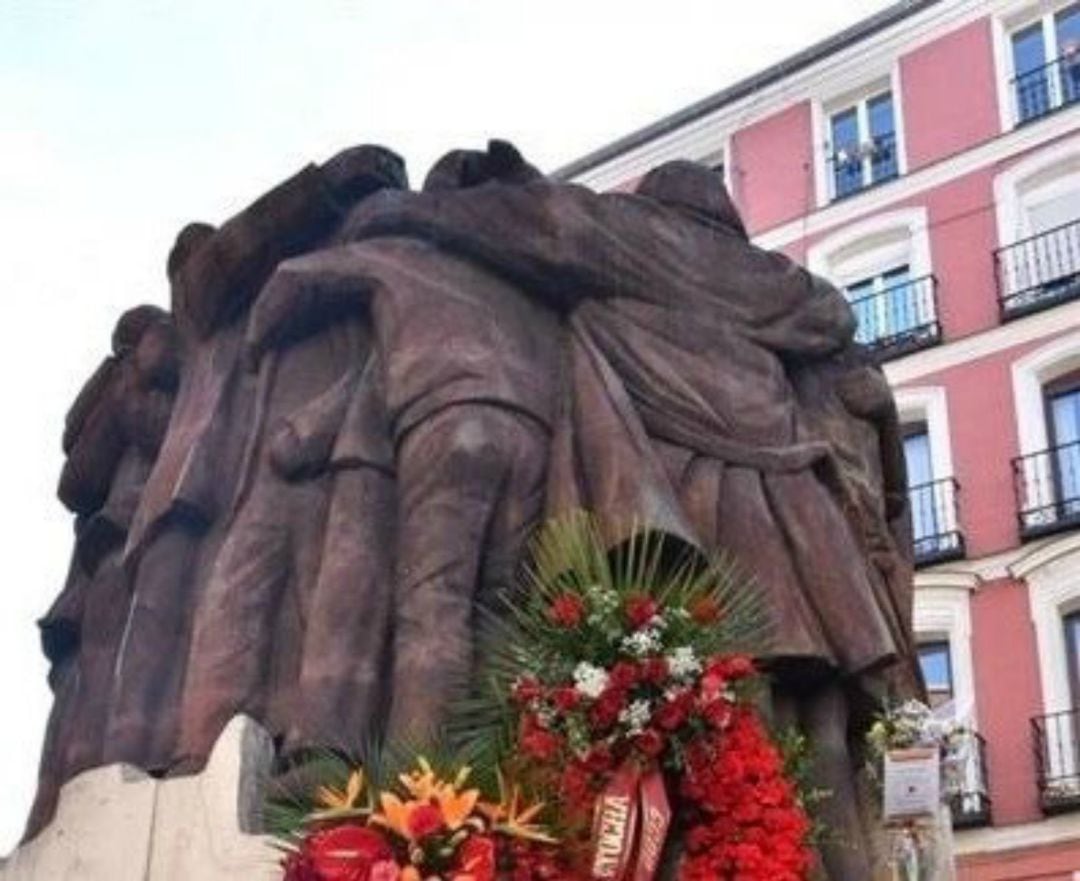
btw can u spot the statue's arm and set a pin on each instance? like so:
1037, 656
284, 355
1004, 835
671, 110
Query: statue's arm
804, 315
301, 293
546, 238
221, 277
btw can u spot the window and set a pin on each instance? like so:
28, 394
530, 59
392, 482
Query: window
932, 490
1045, 56
1072, 654
920, 477
863, 144
893, 308
1063, 431
1038, 208
883, 265
936, 665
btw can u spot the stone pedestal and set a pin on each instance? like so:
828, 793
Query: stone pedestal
118, 824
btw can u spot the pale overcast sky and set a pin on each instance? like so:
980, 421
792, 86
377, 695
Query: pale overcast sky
123, 120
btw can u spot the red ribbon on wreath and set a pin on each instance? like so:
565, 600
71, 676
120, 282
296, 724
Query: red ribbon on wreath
630, 825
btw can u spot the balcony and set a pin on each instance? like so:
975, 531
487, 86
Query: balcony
856, 167
1047, 485
1057, 760
1040, 271
969, 791
934, 521
900, 319
1045, 89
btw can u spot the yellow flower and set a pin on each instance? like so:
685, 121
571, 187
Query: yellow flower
510, 817
342, 799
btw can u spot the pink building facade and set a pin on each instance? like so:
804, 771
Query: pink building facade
927, 161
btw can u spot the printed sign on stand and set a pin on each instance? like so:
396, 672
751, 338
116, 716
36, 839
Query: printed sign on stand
912, 784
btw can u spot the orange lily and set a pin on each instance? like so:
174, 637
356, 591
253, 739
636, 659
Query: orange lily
395, 814
456, 807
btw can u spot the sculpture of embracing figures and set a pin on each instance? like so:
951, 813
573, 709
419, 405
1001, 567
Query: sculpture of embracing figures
364, 399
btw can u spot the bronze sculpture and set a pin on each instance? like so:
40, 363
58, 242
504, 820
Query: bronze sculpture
381, 392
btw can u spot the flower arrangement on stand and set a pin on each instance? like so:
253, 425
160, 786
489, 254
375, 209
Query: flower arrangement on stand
910, 732
618, 687
629, 684
428, 827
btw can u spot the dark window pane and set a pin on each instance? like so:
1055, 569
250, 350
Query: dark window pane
937, 671
1032, 82
1067, 24
920, 476
860, 295
1065, 435
1072, 652
883, 135
901, 308
847, 161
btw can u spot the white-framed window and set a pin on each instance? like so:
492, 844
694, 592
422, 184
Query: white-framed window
1038, 50
1052, 574
1046, 391
1037, 202
883, 266
932, 489
860, 137
935, 662
942, 625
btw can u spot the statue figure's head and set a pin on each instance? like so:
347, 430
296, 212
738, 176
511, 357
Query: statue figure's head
188, 240
357, 172
502, 162
695, 189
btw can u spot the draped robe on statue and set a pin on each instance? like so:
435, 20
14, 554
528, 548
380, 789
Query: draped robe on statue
682, 413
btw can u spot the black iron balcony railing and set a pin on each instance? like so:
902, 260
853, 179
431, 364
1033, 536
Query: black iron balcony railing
1047, 487
934, 521
969, 801
1039, 271
1057, 760
858, 166
1048, 88
899, 319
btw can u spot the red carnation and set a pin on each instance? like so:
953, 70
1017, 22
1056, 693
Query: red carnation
527, 690
650, 743
654, 670
566, 610
705, 610
731, 666
674, 712
640, 610
346, 853
718, 714
540, 744
624, 675
566, 697
599, 759
605, 712
425, 820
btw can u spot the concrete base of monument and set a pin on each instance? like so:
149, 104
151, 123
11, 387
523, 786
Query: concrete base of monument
118, 824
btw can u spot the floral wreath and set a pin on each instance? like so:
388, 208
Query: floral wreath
618, 692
